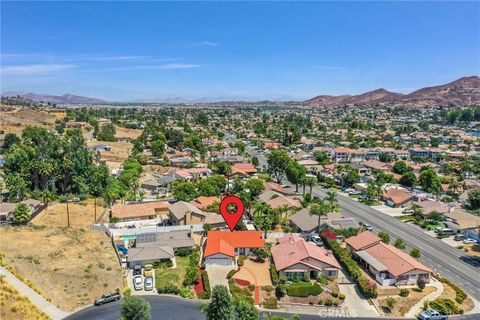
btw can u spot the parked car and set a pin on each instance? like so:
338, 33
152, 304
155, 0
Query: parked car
408, 211
469, 240
316, 240
148, 270
122, 249
137, 282
354, 193
432, 315
366, 226
459, 237
106, 298
137, 270
148, 284
446, 231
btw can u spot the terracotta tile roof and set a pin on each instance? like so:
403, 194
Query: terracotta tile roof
203, 202
225, 242
243, 168
293, 249
139, 210
397, 195
396, 261
363, 240
283, 201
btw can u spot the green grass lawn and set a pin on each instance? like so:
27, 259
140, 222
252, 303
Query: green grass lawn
371, 202
175, 276
432, 226
406, 217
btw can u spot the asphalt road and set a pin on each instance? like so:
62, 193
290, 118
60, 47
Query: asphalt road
444, 259
174, 308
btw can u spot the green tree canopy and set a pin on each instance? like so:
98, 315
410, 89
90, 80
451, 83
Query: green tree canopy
220, 306
21, 214
135, 308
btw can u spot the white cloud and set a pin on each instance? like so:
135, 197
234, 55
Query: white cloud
171, 66
181, 66
209, 43
35, 68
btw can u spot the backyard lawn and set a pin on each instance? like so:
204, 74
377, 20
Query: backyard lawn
164, 276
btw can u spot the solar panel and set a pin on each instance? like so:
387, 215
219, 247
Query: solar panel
146, 237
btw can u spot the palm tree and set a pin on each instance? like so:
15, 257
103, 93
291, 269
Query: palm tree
331, 197
320, 209
262, 216
311, 182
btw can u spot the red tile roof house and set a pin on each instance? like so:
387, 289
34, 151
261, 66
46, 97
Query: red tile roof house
141, 211
397, 198
223, 246
389, 265
245, 169
294, 257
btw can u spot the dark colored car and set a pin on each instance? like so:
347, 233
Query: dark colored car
106, 298
137, 270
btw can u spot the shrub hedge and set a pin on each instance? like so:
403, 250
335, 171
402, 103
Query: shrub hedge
231, 273
367, 287
206, 283
241, 260
270, 303
273, 274
460, 295
304, 289
404, 292
445, 306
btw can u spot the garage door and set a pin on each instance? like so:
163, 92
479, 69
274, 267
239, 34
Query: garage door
219, 261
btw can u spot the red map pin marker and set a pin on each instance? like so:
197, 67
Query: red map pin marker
232, 218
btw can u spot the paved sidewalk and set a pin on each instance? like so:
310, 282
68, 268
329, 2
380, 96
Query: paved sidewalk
35, 298
417, 308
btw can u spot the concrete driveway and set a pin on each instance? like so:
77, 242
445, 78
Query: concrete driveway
218, 274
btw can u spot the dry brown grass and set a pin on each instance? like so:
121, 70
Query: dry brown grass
14, 306
82, 214
72, 267
472, 249
119, 152
18, 119
127, 133
404, 304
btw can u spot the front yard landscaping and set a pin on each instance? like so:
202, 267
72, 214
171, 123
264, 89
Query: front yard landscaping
456, 295
403, 304
165, 276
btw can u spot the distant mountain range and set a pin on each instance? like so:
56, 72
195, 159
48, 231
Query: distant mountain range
66, 98
460, 92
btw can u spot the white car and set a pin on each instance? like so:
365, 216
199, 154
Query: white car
317, 240
137, 283
468, 241
148, 283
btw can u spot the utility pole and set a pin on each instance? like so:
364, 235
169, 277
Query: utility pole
68, 215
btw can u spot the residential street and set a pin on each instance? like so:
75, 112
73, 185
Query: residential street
441, 257
444, 259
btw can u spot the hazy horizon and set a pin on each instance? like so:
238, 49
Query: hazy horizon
207, 51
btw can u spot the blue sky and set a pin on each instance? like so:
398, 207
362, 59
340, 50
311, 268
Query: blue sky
254, 50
